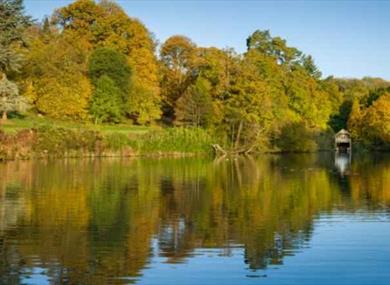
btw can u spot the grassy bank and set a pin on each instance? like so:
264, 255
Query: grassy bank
39, 138
14, 125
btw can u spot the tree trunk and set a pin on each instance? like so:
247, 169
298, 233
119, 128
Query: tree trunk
238, 138
4, 117
219, 150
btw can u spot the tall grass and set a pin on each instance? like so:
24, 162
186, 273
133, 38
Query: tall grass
52, 141
185, 140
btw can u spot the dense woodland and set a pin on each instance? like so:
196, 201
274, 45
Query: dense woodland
91, 62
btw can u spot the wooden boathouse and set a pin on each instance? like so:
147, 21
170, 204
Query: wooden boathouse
343, 142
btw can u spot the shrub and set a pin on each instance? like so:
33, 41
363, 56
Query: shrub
187, 140
116, 141
296, 137
57, 141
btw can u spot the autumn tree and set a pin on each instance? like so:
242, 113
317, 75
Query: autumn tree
58, 83
145, 95
195, 107
355, 118
376, 122
218, 66
130, 37
249, 108
330, 86
90, 59
352, 88
80, 20
105, 24
179, 61
349, 99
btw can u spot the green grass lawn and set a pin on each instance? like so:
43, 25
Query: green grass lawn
14, 125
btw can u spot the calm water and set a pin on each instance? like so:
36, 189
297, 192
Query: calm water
293, 219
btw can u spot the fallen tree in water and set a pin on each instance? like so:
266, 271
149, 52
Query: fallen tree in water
219, 151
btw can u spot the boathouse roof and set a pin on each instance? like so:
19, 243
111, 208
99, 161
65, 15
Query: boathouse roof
343, 132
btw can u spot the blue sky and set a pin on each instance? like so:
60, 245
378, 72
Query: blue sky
346, 38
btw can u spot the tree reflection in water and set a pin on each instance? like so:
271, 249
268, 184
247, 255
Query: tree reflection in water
94, 221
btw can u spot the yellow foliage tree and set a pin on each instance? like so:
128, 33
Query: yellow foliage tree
179, 57
355, 120
58, 86
106, 25
377, 121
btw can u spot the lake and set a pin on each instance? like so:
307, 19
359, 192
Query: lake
271, 219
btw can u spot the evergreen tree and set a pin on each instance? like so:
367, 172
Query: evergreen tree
13, 23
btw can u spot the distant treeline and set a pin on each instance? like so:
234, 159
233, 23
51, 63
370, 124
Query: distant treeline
90, 61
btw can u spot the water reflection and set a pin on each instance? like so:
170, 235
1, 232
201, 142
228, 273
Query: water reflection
109, 221
343, 162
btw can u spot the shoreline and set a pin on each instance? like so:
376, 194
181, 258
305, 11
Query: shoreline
51, 142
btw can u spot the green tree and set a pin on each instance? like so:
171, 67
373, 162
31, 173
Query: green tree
275, 47
113, 65
13, 23
309, 65
339, 120
106, 101
106, 61
309, 101
296, 137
